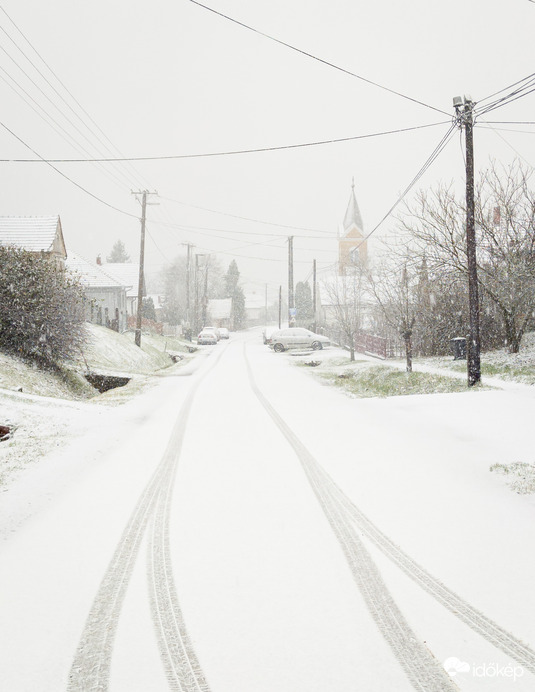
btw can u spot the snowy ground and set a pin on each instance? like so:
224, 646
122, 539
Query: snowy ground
238, 526
44, 410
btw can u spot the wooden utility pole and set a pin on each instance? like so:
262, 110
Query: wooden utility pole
314, 292
143, 194
188, 279
291, 305
266, 306
205, 293
196, 290
280, 306
465, 119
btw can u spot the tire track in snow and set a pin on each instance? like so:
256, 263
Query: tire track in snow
477, 621
423, 670
182, 667
90, 669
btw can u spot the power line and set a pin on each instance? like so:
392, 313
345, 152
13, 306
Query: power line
190, 227
314, 57
77, 145
244, 218
63, 175
505, 88
528, 86
233, 152
434, 155
65, 88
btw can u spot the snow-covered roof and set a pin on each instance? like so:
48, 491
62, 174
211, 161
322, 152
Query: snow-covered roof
220, 308
33, 233
91, 275
352, 216
127, 273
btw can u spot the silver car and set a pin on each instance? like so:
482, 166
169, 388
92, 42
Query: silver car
297, 338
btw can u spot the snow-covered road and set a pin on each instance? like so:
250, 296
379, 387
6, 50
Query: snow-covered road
247, 529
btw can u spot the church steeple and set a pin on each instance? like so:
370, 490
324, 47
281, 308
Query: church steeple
351, 242
352, 216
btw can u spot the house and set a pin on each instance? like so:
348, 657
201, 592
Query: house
105, 295
220, 312
40, 235
255, 308
128, 274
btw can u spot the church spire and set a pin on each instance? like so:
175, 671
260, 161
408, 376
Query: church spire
352, 216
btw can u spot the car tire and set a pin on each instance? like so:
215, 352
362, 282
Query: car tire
278, 348
317, 345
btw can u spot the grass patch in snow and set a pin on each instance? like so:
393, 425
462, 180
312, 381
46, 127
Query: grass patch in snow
106, 352
110, 352
20, 376
383, 381
521, 476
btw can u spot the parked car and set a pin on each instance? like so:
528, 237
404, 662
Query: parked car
297, 338
223, 333
267, 333
207, 337
213, 330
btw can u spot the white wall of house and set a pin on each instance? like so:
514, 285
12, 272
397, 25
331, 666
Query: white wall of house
104, 305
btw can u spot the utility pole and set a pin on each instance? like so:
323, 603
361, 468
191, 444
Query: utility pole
188, 292
314, 292
196, 291
280, 305
291, 305
205, 294
143, 194
266, 306
196, 283
465, 119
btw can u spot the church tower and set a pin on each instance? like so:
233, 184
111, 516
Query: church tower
351, 236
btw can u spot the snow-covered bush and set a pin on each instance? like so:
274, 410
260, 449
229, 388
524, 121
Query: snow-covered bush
41, 308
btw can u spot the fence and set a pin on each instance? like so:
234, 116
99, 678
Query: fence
370, 343
149, 325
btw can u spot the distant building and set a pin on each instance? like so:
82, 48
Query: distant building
255, 308
220, 312
351, 240
40, 235
105, 295
128, 274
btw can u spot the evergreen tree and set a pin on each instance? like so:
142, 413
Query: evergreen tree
238, 309
303, 302
234, 291
118, 254
232, 278
148, 311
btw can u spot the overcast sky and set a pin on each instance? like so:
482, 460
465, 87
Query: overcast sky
171, 78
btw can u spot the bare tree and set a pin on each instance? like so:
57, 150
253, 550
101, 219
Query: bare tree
394, 287
505, 225
344, 298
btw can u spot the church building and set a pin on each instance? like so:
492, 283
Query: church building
351, 239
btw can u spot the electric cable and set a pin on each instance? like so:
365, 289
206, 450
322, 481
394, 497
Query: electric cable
431, 159
66, 89
314, 57
510, 86
63, 175
233, 152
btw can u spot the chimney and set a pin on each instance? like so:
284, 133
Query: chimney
497, 217
99, 260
